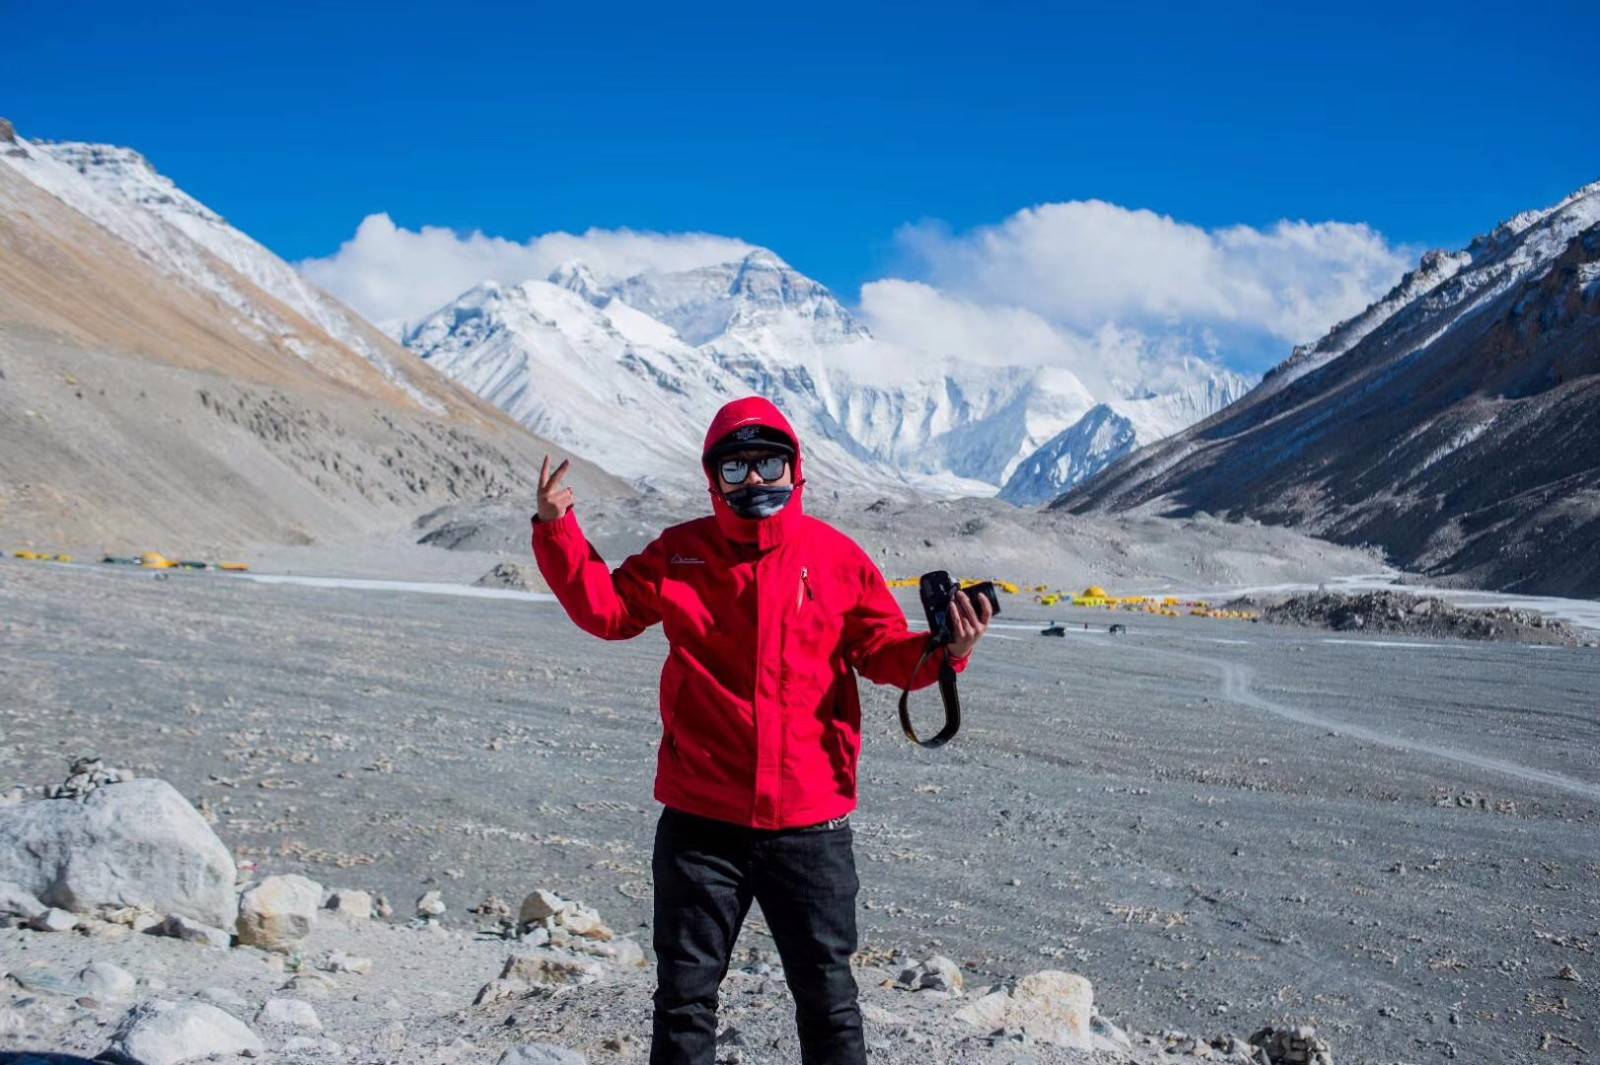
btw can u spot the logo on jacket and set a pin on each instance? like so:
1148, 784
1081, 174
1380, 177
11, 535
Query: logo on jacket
686, 560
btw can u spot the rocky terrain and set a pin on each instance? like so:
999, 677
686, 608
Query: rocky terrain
126, 929
1453, 423
167, 383
975, 537
1218, 826
1397, 612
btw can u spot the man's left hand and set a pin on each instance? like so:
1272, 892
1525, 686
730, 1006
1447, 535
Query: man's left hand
968, 623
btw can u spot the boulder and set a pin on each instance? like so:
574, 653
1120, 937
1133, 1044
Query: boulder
160, 1032
278, 912
538, 905
15, 902
129, 844
1048, 1006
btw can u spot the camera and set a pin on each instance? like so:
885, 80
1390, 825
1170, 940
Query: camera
938, 592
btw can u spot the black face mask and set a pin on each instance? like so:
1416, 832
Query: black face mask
759, 500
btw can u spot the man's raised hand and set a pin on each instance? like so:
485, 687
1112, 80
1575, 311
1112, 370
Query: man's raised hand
555, 499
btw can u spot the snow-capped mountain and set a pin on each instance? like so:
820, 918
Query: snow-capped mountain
1456, 422
668, 348
119, 189
608, 382
1115, 428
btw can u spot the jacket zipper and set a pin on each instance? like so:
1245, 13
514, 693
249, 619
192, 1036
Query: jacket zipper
803, 590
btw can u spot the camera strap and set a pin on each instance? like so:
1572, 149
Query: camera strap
947, 693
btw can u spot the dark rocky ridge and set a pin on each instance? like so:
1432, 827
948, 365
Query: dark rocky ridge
1462, 435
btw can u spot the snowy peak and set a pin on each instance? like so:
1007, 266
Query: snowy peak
118, 189
1446, 286
741, 300
575, 276
123, 174
1116, 428
672, 346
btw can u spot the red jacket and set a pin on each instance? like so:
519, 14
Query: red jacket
768, 621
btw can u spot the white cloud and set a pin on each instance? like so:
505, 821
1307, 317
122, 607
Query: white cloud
389, 273
1126, 299
1087, 263
1122, 298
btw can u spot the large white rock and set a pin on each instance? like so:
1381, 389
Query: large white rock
1049, 1006
130, 844
15, 902
159, 1032
278, 912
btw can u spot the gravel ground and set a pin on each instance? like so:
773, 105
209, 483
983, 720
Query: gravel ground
1220, 824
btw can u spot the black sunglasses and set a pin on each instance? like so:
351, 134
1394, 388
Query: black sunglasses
768, 467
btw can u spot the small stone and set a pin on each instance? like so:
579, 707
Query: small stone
538, 905
190, 931
278, 912
106, 982
290, 1013
307, 982
582, 921
494, 907
430, 905
222, 996
53, 920
340, 962
941, 974
541, 1054
1569, 973
624, 953
1107, 1037
310, 1044
167, 1033
356, 905
381, 907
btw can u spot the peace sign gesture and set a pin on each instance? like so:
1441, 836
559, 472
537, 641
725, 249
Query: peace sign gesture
555, 499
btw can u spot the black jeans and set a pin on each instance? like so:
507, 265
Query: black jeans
706, 874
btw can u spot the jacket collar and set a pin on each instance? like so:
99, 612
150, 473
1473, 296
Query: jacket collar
762, 533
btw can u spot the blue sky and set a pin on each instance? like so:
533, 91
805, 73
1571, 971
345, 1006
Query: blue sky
821, 130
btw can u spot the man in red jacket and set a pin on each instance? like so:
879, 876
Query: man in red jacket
769, 615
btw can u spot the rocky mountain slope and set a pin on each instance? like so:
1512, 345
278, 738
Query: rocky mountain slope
664, 350
1455, 423
167, 382
1116, 428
